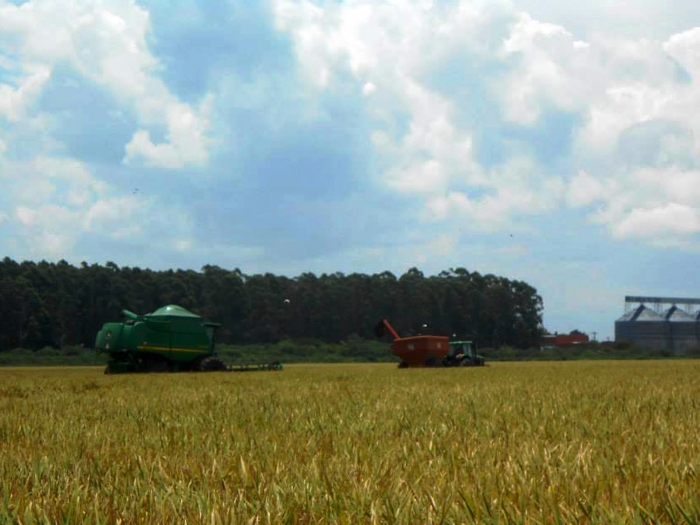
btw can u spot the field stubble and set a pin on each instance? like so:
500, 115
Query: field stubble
571, 442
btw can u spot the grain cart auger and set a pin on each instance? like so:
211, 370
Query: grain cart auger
171, 339
429, 350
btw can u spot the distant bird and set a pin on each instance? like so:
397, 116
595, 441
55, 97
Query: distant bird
287, 301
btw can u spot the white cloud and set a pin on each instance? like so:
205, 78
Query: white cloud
47, 179
111, 214
676, 244
685, 97
584, 190
182, 245
459, 98
434, 155
644, 203
368, 88
684, 48
15, 103
433, 151
58, 201
651, 19
508, 195
541, 76
107, 42
424, 252
45, 230
46, 217
612, 83
664, 219
424, 177
514, 250
670, 184
187, 139
26, 215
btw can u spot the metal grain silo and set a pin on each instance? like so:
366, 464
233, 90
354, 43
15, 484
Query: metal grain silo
674, 329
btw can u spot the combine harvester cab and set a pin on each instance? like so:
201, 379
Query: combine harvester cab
429, 350
171, 339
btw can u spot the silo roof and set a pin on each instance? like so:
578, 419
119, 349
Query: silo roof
641, 313
627, 315
676, 315
647, 314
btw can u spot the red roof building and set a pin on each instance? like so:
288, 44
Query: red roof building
563, 341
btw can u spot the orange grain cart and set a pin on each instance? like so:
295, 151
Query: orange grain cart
421, 350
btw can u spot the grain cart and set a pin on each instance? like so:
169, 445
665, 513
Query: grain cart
430, 350
171, 339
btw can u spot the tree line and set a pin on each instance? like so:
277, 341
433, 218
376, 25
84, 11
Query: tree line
57, 304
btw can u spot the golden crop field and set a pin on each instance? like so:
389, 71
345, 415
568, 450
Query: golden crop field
565, 442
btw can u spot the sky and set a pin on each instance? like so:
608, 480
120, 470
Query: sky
548, 142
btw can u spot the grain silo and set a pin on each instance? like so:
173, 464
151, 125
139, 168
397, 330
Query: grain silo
660, 323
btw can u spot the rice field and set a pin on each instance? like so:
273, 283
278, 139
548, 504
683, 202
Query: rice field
565, 442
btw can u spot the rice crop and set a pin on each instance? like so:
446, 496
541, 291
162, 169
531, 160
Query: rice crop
521, 443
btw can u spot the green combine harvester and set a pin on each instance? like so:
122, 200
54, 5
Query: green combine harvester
171, 339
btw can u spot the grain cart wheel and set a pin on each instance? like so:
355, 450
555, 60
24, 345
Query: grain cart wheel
211, 364
432, 362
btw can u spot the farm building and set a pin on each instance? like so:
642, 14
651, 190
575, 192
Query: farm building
563, 341
659, 323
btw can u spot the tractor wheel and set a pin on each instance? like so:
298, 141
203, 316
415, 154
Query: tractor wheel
211, 364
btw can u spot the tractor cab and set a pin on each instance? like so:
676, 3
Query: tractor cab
461, 347
463, 353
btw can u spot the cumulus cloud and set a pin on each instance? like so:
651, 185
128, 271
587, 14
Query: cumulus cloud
684, 48
106, 42
370, 42
477, 117
428, 138
584, 190
15, 102
187, 139
541, 76
419, 130
671, 218
52, 202
57, 201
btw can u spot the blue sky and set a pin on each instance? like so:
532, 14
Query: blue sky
557, 144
